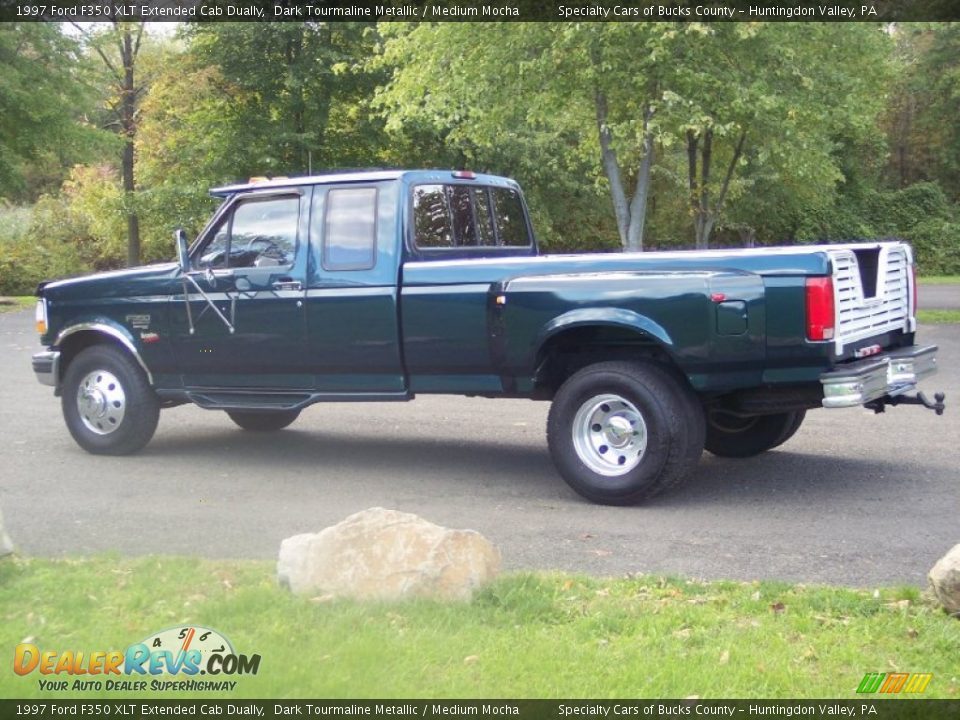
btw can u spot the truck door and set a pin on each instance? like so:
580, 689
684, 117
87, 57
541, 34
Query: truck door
251, 265
352, 323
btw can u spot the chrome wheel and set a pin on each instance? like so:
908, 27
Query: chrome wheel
609, 435
101, 402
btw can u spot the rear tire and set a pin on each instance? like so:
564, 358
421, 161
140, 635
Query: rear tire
263, 421
621, 432
740, 437
107, 402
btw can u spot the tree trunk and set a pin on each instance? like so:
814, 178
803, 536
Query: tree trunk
611, 168
704, 215
638, 206
128, 122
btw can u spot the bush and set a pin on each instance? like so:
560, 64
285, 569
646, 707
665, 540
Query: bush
55, 244
936, 247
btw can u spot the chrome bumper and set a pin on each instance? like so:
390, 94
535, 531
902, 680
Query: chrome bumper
892, 373
46, 366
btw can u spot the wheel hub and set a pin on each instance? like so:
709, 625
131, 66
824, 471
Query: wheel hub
609, 435
101, 402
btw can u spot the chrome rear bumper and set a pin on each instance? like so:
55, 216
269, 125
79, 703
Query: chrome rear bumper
889, 374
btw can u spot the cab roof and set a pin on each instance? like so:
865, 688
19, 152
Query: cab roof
358, 176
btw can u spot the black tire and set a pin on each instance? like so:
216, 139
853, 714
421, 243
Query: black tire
263, 420
107, 402
644, 396
799, 416
740, 437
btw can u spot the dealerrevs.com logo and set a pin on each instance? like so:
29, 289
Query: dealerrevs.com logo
172, 659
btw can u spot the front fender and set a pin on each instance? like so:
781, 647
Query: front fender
107, 328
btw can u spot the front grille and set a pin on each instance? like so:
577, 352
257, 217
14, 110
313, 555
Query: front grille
871, 285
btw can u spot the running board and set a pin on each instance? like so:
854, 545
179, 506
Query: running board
278, 400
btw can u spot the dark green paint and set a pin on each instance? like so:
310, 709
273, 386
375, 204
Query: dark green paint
445, 322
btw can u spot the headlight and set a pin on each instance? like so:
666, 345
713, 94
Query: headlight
41, 316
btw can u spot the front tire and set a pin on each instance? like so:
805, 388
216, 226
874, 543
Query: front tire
107, 402
621, 432
734, 436
265, 421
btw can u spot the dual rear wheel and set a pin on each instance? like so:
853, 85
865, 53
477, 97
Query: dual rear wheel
621, 432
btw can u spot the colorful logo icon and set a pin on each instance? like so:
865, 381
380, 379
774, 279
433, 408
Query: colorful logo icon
186, 651
898, 682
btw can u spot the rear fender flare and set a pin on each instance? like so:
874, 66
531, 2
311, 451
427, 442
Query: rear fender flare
608, 317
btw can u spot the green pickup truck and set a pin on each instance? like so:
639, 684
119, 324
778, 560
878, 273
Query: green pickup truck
381, 285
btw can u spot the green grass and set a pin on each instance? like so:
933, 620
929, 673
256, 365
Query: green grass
525, 636
938, 316
939, 280
18, 302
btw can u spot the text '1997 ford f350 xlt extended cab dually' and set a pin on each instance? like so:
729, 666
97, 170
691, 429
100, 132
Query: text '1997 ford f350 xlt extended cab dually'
381, 285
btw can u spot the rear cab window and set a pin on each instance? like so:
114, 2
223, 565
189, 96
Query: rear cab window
468, 220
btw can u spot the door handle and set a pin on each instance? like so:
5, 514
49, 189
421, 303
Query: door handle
286, 284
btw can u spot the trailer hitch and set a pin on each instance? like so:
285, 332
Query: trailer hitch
880, 404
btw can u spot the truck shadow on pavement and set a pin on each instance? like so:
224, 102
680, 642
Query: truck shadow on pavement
311, 455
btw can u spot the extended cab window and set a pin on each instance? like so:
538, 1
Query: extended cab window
350, 229
256, 233
464, 216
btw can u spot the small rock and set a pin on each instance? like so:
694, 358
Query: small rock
388, 555
471, 659
945, 580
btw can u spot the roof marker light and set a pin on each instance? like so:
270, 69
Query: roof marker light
465, 174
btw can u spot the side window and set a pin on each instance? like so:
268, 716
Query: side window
350, 229
257, 233
431, 217
511, 224
464, 228
457, 215
481, 204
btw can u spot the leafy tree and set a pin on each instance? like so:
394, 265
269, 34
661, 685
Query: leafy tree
43, 105
644, 98
285, 97
118, 46
556, 96
925, 103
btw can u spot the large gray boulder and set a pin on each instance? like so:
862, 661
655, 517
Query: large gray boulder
388, 555
6, 544
945, 580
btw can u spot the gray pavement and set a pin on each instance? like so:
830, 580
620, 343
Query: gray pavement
938, 297
854, 498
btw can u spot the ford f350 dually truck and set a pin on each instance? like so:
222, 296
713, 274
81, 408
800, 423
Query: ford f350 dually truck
381, 285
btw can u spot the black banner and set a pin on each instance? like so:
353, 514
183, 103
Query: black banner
880, 709
479, 11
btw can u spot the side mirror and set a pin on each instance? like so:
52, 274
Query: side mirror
183, 249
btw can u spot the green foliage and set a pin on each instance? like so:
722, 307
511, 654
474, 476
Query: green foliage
43, 106
55, 244
936, 246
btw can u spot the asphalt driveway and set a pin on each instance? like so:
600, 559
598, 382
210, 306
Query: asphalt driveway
854, 498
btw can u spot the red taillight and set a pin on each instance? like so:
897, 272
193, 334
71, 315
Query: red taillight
465, 174
820, 313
